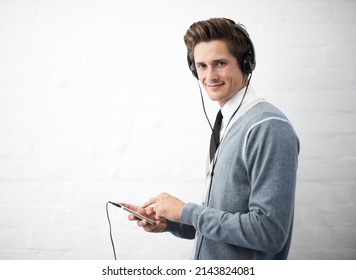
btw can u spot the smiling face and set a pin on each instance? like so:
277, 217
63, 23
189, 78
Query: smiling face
218, 70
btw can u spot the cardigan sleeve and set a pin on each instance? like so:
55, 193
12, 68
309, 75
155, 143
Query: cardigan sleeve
181, 230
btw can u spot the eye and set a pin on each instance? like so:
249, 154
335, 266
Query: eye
220, 63
201, 65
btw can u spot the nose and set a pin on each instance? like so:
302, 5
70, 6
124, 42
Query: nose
211, 74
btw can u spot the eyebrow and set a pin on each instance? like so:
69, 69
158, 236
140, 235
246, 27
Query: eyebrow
214, 61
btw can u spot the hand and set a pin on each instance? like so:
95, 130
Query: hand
160, 224
166, 206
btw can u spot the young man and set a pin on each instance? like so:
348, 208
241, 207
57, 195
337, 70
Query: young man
249, 203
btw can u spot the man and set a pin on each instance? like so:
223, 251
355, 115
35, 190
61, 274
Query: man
249, 203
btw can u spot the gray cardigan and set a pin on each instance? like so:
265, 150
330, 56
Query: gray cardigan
250, 205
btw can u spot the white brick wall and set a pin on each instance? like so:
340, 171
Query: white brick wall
97, 104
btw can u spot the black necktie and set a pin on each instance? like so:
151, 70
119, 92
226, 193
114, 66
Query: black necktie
215, 135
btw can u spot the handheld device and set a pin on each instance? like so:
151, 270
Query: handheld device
138, 215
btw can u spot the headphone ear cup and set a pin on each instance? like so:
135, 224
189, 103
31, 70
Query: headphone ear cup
194, 71
192, 67
247, 65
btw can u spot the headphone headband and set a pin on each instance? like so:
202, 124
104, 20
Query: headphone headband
248, 63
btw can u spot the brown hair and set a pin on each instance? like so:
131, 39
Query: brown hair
216, 29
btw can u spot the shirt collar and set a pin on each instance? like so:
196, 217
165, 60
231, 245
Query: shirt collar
230, 106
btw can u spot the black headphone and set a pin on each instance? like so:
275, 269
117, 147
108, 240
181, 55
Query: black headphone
249, 59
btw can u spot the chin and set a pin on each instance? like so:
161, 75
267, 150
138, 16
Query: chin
214, 96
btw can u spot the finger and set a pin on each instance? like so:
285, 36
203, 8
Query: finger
132, 217
149, 228
151, 201
130, 206
142, 223
150, 211
158, 215
152, 228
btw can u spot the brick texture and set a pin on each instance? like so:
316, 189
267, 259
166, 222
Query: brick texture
97, 104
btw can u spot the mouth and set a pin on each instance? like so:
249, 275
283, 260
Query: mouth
215, 85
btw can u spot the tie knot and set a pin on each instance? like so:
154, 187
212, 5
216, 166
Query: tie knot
219, 116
